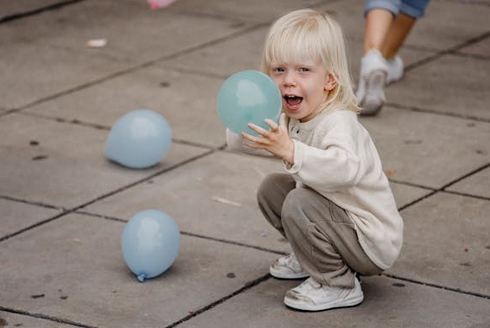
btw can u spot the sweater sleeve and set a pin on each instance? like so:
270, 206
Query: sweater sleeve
333, 164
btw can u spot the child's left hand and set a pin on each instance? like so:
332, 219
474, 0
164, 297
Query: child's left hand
275, 140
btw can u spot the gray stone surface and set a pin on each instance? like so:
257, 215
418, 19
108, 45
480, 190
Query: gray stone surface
133, 32
456, 74
228, 57
13, 8
481, 48
33, 72
388, 303
446, 23
19, 320
17, 216
164, 91
446, 243
80, 271
214, 197
247, 11
428, 149
68, 167
63, 205
476, 184
405, 194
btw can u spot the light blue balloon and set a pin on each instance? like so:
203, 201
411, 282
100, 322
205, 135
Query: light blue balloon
248, 97
150, 243
139, 139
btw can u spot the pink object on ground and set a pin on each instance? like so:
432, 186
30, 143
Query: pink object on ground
157, 4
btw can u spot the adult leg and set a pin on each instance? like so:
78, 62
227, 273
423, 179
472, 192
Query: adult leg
378, 23
394, 39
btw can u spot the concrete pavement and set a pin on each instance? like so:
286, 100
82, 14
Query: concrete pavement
63, 206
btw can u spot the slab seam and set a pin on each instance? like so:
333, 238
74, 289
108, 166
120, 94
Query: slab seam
451, 289
210, 306
111, 193
46, 317
436, 112
33, 12
190, 234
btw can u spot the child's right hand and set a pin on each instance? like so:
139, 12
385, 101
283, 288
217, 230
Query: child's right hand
276, 140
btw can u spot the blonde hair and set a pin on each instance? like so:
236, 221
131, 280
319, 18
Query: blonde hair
308, 35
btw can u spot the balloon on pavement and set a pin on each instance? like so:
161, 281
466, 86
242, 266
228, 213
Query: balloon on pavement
150, 243
139, 139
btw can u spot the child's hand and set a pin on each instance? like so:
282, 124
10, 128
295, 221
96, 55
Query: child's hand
275, 140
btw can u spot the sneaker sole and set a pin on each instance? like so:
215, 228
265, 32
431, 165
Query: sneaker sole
287, 275
322, 307
374, 97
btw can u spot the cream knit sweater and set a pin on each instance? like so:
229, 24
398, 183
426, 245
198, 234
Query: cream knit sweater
334, 155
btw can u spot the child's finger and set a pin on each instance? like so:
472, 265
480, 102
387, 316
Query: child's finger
272, 124
282, 121
251, 138
257, 129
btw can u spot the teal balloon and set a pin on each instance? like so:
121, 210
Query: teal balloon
150, 243
139, 139
248, 97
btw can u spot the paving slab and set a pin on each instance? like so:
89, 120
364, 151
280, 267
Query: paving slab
446, 243
428, 149
17, 320
248, 10
244, 52
464, 92
387, 303
12, 8
133, 31
225, 58
63, 164
32, 72
17, 216
476, 184
406, 194
76, 263
446, 23
180, 97
481, 49
213, 196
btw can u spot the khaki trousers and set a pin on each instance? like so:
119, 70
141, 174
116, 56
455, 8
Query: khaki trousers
321, 234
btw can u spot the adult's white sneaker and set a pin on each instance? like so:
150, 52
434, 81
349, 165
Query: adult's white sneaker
288, 267
372, 79
312, 296
395, 69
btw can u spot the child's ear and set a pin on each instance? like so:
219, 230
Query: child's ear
330, 83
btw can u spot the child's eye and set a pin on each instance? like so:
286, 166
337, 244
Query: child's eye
304, 69
278, 69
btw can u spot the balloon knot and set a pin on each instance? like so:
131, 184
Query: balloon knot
142, 277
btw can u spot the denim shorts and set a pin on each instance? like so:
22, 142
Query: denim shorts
411, 8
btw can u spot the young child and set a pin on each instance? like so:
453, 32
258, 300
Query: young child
333, 203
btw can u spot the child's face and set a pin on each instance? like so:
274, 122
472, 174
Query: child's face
304, 87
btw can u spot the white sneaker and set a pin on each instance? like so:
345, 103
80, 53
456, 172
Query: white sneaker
395, 69
311, 296
288, 267
372, 79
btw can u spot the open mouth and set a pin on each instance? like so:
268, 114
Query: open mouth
293, 101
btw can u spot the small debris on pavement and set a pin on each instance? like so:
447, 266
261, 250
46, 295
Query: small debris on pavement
96, 43
226, 201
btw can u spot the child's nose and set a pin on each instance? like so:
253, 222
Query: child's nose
289, 79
